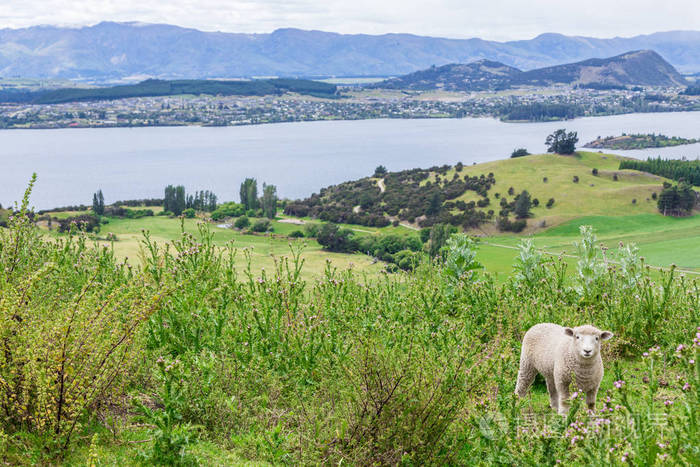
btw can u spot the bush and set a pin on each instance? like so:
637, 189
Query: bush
189, 213
262, 225
83, 222
575, 178
228, 210
594, 171
550, 203
297, 234
519, 153
311, 230
333, 238
242, 222
68, 318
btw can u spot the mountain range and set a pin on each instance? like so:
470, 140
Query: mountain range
117, 51
641, 67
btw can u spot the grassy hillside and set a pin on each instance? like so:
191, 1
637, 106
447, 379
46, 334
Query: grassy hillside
592, 195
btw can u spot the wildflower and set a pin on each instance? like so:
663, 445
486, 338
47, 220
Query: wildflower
680, 348
661, 445
686, 386
619, 383
668, 402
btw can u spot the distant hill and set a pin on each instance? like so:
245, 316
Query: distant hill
154, 87
115, 51
477, 76
642, 67
476, 196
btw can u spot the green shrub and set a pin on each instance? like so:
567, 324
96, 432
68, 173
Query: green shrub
297, 234
68, 318
242, 222
189, 213
262, 225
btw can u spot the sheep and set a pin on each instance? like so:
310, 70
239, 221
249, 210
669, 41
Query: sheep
561, 354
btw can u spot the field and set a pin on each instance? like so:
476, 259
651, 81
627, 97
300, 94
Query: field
184, 359
219, 346
596, 200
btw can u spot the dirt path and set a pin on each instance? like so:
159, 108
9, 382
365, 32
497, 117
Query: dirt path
380, 184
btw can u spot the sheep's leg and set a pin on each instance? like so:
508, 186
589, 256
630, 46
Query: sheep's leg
553, 395
564, 395
590, 398
526, 375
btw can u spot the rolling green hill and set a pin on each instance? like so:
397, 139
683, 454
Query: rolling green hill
472, 196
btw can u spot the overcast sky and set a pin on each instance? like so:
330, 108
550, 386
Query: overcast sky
489, 19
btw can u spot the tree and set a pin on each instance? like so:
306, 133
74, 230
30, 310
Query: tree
438, 238
249, 193
522, 205
521, 152
380, 171
269, 201
561, 142
435, 204
98, 203
333, 238
174, 199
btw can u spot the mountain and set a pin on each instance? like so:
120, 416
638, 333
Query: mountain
477, 76
118, 51
641, 67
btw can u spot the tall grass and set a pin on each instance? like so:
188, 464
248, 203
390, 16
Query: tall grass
413, 368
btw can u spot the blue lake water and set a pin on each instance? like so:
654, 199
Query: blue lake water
300, 158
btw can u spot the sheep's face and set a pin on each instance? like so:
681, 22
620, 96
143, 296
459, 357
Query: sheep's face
587, 340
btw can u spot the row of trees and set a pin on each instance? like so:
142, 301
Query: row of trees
675, 169
202, 201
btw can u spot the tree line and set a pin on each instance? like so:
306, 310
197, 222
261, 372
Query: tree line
675, 169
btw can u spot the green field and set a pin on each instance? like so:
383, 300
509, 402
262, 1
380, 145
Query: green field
600, 201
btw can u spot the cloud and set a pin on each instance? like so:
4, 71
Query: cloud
494, 19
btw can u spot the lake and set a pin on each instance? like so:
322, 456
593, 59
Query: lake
300, 158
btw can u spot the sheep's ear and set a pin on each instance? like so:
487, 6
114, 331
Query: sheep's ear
569, 332
605, 335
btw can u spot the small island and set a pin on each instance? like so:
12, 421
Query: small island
638, 142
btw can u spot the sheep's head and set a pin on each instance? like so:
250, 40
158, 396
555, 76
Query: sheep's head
587, 339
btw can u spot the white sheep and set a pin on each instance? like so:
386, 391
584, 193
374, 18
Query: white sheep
561, 354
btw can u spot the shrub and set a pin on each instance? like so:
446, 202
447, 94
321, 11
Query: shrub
68, 318
311, 230
228, 210
519, 153
83, 222
550, 203
297, 234
333, 238
575, 178
262, 225
242, 222
594, 171
189, 213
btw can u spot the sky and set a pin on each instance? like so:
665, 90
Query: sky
488, 19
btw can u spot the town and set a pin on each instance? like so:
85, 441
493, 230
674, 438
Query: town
355, 103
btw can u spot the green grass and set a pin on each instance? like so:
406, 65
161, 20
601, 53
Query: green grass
264, 248
592, 195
